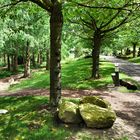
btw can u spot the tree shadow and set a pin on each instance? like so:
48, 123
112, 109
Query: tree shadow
25, 119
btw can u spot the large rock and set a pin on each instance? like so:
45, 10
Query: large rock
97, 117
95, 101
69, 112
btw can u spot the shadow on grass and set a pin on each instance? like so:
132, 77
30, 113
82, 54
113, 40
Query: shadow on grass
5, 73
25, 120
75, 75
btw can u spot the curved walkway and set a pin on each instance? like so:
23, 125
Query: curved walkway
131, 69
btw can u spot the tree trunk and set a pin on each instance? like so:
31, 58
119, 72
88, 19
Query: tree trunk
23, 55
15, 63
56, 23
134, 49
47, 59
96, 55
4, 59
27, 61
41, 58
121, 51
12, 62
38, 58
33, 60
8, 63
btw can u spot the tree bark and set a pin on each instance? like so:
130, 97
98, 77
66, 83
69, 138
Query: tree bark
41, 58
15, 63
8, 63
38, 58
12, 62
56, 23
33, 60
96, 55
134, 49
4, 59
27, 61
47, 59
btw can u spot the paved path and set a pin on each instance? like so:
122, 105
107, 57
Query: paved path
129, 68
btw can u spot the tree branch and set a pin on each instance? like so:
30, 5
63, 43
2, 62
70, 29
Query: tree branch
117, 26
86, 23
108, 7
93, 24
111, 19
122, 22
42, 5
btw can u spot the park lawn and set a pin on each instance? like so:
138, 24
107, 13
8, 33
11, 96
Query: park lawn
135, 60
29, 118
75, 75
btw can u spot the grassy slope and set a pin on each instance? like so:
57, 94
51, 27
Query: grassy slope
74, 75
135, 60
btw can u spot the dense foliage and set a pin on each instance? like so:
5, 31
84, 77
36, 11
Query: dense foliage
28, 28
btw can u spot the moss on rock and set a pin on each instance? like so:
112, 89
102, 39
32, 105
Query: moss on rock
95, 101
97, 117
69, 112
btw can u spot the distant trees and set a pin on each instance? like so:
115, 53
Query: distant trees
128, 38
54, 7
20, 39
99, 18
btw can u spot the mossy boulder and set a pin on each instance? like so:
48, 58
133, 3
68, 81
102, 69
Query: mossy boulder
95, 101
97, 117
69, 112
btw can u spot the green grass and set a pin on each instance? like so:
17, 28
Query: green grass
2, 64
135, 60
5, 73
29, 118
75, 75
26, 120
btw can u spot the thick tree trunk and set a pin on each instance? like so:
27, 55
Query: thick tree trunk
27, 61
47, 59
134, 49
56, 23
8, 63
96, 55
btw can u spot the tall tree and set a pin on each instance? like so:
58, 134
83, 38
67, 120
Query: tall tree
54, 7
99, 18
